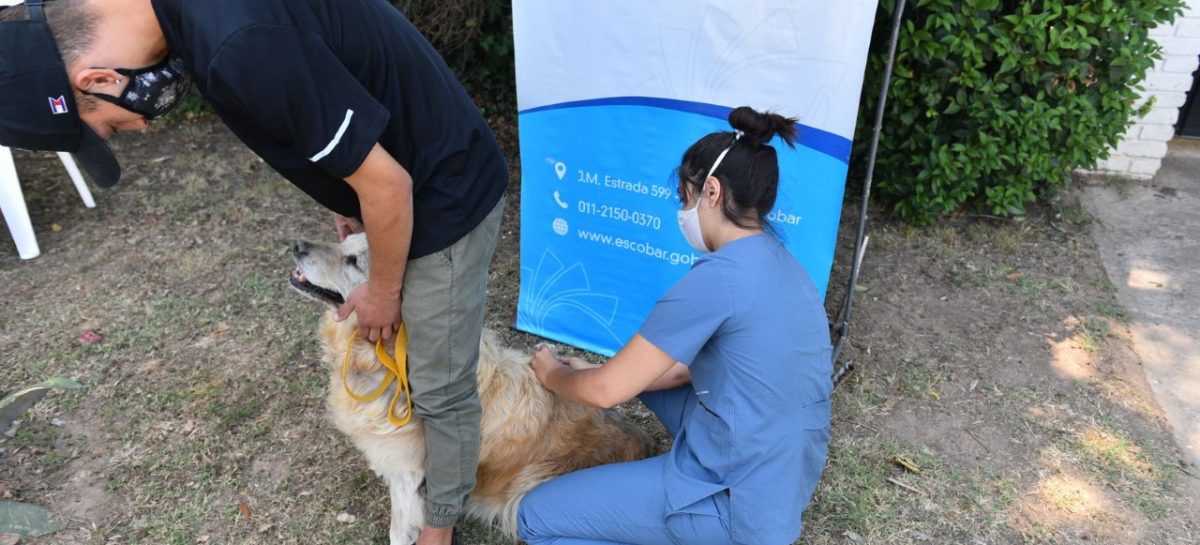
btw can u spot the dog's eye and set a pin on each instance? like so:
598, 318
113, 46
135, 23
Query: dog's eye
352, 260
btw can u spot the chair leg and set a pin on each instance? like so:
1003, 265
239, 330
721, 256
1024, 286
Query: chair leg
12, 204
73, 170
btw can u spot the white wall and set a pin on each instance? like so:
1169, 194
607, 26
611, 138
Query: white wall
1145, 144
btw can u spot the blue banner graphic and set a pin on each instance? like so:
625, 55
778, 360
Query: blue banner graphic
611, 93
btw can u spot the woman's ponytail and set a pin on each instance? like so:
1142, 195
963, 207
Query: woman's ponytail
758, 128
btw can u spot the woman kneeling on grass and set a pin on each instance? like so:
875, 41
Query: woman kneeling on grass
733, 359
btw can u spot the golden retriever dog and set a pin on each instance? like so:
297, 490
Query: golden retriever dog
528, 434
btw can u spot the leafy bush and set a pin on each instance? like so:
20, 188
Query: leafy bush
475, 37
994, 102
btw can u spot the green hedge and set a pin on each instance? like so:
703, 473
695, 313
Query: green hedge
475, 37
995, 102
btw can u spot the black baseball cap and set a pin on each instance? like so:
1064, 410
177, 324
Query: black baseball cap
37, 101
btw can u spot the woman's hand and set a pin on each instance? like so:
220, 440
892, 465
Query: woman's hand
545, 362
627, 374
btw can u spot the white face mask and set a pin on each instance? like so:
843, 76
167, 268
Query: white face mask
689, 220
689, 224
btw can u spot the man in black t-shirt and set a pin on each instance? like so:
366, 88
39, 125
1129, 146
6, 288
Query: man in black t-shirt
346, 100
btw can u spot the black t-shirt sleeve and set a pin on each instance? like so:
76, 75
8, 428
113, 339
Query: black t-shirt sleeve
287, 82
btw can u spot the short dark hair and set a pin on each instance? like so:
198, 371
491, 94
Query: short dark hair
749, 173
73, 25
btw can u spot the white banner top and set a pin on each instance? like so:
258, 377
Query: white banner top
803, 58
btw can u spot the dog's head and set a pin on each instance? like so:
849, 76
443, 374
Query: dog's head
328, 272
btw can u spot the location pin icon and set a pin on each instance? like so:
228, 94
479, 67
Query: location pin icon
560, 168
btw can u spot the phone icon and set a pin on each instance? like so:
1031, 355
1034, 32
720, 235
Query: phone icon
558, 199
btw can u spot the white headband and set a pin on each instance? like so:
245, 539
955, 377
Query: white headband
736, 136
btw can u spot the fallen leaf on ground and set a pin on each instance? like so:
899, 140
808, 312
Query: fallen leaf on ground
89, 337
852, 536
244, 508
55, 227
904, 463
346, 518
26, 519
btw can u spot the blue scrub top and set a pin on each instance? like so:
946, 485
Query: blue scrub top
751, 326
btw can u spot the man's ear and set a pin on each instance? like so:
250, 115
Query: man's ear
104, 81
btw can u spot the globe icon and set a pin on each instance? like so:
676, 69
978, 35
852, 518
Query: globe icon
560, 226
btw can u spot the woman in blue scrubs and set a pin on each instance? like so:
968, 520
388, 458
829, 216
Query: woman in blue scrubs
734, 360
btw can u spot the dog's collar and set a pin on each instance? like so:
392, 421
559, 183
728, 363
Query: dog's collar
397, 371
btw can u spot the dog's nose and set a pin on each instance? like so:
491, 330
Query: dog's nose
300, 249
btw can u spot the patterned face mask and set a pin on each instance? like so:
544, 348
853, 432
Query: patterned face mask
152, 91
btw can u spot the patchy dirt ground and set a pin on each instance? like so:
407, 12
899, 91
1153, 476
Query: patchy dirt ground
996, 398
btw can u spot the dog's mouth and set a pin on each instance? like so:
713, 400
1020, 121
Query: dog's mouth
298, 281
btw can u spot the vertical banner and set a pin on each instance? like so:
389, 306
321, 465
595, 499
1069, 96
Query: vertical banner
611, 93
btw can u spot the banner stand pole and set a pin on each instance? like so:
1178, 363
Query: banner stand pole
860, 241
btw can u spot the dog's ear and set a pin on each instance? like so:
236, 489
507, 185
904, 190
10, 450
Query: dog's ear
356, 246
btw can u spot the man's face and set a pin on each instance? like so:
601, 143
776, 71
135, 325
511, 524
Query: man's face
107, 118
104, 118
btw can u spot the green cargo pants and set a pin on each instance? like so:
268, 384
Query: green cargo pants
443, 307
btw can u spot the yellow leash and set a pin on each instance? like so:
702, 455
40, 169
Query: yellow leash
397, 372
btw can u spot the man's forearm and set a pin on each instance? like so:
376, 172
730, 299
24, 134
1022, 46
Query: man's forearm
389, 225
385, 199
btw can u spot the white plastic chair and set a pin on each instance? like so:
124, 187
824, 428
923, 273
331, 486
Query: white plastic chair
12, 201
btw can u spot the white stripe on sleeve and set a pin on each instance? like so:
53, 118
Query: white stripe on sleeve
336, 138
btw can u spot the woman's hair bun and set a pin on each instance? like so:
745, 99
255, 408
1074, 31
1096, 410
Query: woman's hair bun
760, 127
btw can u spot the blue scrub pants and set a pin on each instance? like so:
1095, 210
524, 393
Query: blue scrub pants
624, 503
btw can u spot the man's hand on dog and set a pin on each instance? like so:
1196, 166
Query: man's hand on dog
378, 315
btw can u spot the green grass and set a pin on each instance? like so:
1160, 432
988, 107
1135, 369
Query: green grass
859, 501
1123, 185
971, 275
1142, 475
1112, 310
32, 432
1093, 333
1074, 213
855, 495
